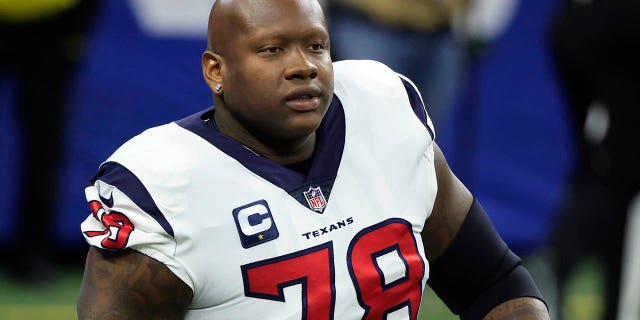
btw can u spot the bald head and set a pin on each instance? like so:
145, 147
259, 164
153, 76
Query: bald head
269, 67
230, 19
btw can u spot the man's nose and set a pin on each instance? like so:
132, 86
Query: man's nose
301, 66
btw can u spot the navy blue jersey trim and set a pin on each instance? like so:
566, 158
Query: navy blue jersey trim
120, 177
326, 159
329, 144
417, 105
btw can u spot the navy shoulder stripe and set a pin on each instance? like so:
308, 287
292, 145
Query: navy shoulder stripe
120, 177
417, 105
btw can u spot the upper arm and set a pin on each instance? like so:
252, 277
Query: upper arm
120, 283
453, 200
450, 209
130, 285
493, 277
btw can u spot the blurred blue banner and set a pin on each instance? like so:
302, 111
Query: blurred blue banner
508, 139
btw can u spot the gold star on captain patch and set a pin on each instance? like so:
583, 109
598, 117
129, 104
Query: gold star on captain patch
260, 236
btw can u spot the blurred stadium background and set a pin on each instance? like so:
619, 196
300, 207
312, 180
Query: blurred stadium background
140, 73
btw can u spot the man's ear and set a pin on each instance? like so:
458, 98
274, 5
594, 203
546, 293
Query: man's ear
212, 68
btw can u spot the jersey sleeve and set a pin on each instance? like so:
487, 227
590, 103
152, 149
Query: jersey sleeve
417, 104
124, 216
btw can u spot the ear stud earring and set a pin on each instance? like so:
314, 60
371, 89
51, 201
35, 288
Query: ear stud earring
218, 87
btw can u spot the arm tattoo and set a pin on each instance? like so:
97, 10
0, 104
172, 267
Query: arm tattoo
519, 309
130, 285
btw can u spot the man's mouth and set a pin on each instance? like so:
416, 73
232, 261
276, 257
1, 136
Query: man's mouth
305, 99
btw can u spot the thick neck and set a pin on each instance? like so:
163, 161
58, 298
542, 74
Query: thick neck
280, 151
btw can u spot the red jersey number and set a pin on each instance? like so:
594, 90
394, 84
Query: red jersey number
392, 240
117, 225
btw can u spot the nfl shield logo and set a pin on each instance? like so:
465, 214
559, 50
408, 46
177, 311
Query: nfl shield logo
315, 199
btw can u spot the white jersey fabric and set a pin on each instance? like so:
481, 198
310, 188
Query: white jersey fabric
256, 240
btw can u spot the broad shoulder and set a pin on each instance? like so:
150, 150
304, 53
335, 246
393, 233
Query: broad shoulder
363, 64
366, 78
346, 70
172, 137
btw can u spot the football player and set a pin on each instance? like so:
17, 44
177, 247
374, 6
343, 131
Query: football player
311, 190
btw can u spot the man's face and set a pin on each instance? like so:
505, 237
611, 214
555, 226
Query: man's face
277, 72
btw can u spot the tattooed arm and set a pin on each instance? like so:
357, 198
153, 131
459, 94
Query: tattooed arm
130, 285
472, 259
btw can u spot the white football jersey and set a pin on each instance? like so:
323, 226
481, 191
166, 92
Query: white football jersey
256, 240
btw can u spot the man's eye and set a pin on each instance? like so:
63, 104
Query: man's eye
271, 50
317, 46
